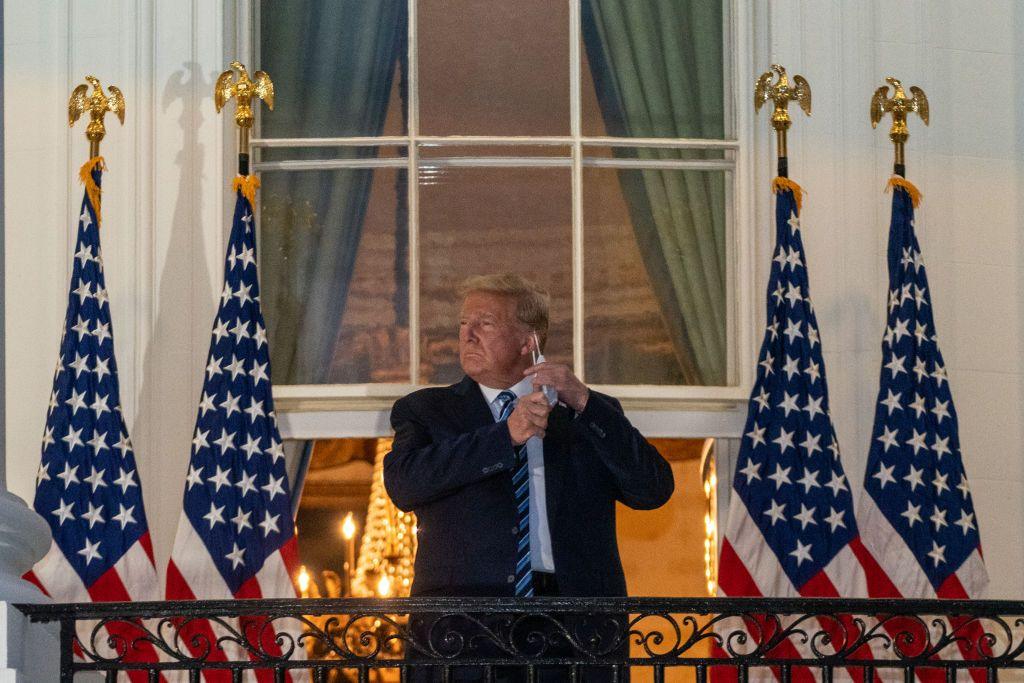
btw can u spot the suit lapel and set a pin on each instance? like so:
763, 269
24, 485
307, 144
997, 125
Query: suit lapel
472, 412
556, 458
471, 409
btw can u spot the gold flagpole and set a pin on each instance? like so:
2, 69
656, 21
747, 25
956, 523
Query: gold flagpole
782, 93
899, 105
97, 104
243, 89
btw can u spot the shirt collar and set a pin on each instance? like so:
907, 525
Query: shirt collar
524, 387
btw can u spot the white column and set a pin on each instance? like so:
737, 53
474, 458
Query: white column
28, 652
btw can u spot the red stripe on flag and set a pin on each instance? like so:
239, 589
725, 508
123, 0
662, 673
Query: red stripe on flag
733, 576
735, 580
31, 577
290, 556
841, 629
258, 631
147, 544
109, 588
879, 583
970, 628
196, 634
880, 586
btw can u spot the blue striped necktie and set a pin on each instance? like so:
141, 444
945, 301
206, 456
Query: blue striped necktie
521, 486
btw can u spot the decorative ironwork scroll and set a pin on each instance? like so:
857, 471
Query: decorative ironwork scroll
360, 636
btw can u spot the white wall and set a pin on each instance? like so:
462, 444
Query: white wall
969, 58
165, 216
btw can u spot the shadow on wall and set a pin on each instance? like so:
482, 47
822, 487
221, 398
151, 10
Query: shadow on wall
183, 285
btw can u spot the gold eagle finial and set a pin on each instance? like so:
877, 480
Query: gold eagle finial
899, 105
243, 90
781, 93
97, 104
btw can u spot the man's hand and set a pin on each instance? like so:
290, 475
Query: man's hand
571, 391
530, 418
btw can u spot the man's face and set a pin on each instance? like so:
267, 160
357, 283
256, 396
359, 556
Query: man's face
493, 343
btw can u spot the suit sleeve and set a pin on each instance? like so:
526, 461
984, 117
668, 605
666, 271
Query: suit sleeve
642, 476
420, 469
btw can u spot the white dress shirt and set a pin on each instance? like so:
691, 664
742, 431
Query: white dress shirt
541, 557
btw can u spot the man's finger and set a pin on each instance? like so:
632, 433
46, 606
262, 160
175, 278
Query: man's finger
540, 409
535, 402
538, 383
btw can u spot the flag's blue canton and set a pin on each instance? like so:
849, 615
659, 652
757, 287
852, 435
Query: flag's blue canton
87, 486
236, 492
788, 472
915, 474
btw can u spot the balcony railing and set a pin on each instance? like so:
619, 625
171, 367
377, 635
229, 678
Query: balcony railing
589, 639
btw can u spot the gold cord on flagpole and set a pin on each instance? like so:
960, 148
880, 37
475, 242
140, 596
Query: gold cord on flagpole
899, 105
91, 188
97, 104
243, 89
782, 93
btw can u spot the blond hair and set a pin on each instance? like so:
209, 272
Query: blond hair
532, 300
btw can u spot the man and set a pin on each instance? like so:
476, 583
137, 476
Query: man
513, 496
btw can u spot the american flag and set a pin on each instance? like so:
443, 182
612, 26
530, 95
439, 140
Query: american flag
916, 507
87, 487
235, 536
791, 530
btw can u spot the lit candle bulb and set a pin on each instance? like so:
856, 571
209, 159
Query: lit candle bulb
303, 582
348, 532
348, 527
384, 587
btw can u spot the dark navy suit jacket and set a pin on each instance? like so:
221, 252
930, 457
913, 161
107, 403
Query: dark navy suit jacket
452, 464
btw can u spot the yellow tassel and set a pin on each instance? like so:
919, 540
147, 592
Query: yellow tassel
91, 188
780, 184
915, 194
247, 184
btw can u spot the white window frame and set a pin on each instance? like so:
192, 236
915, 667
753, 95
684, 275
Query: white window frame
337, 410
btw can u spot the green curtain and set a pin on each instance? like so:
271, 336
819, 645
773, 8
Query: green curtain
658, 72
334, 62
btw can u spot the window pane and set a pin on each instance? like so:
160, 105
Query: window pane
487, 220
434, 151
653, 68
334, 270
329, 153
492, 67
655, 277
595, 151
336, 67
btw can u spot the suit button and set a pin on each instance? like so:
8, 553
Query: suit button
515, 530
511, 578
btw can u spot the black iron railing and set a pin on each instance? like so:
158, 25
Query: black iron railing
586, 639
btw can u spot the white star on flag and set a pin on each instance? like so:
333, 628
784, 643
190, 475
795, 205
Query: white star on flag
236, 474
914, 459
